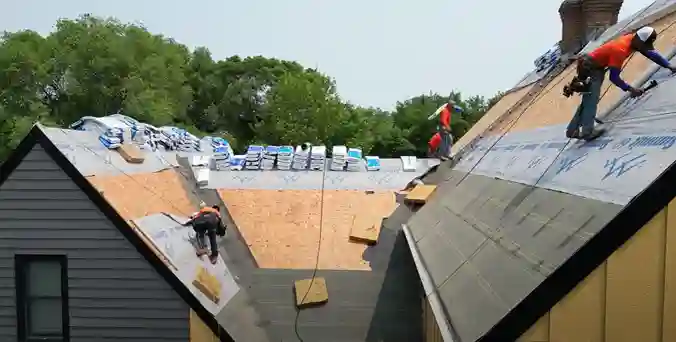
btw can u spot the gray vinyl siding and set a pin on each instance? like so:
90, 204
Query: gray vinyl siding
115, 294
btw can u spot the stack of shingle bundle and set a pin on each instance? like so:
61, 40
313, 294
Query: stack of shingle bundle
111, 138
338, 158
222, 154
284, 157
372, 163
301, 157
254, 155
318, 158
354, 160
269, 157
237, 162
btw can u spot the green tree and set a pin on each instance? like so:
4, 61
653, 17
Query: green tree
97, 66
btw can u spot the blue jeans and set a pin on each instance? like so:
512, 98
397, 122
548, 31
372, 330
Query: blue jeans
446, 143
586, 111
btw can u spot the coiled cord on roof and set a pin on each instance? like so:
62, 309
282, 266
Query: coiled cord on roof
319, 248
535, 100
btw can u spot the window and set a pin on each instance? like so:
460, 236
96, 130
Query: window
42, 298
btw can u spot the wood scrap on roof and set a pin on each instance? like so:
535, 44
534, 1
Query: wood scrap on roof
207, 284
131, 153
365, 229
311, 292
420, 194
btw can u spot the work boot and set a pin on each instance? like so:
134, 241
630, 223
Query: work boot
593, 134
573, 134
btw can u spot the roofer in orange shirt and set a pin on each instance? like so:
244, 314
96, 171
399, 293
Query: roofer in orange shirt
207, 221
444, 129
591, 69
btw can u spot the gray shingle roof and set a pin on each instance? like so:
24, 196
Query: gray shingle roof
506, 242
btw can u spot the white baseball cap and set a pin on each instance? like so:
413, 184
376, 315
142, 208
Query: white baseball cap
647, 35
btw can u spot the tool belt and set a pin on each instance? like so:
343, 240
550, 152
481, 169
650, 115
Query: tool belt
586, 67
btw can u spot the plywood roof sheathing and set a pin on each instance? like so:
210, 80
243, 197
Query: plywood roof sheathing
281, 227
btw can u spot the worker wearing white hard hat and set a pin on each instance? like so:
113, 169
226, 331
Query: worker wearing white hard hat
591, 69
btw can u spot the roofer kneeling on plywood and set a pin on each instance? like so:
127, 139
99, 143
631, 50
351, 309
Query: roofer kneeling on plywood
207, 221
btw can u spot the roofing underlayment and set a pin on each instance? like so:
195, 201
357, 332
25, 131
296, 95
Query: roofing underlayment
532, 199
275, 219
177, 244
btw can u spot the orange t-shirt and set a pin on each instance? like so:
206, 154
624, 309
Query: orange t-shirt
205, 210
613, 53
445, 117
435, 142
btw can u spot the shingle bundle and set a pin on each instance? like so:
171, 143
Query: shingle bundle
222, 154
269, 157
301, 157
237, 162
338, 158
254, 155
284, 157
409, 163
372, 163
354, 160
111, 138
318, 158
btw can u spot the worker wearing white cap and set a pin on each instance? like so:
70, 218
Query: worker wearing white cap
591, 72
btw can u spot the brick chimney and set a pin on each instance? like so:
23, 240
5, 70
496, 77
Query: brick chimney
600, 14
572, 25
581, 19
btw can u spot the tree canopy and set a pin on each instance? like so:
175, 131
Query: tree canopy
95, 66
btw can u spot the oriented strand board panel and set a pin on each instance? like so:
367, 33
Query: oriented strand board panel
580, 316
553, 108
539, 332
420, 193
131, 154
505, 103
549, 107
311, 292
669, 315
635, 282
200, 332
365, 230
207, 284
281, 227
144, 194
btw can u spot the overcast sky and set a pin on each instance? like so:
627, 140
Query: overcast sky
378, 51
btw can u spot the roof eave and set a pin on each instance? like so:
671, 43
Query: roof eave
440, 316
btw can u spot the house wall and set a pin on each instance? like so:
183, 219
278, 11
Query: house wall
630, 297
431, 330
199, 331
114, 293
